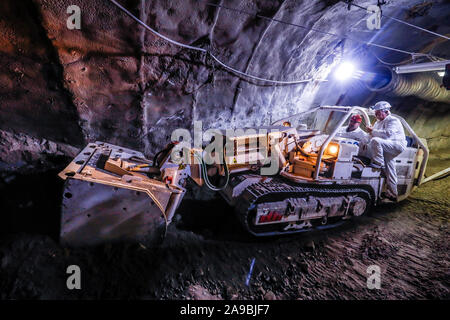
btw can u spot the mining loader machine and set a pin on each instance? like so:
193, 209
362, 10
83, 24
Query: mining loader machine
295, 175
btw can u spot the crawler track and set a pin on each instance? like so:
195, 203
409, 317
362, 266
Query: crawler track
278, 190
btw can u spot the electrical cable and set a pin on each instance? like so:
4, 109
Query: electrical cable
429, 56
235, 71
204, 173
400, 21
320, 31
417, 27
243, 74
389, 63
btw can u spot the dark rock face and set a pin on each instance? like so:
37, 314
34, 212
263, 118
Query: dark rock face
19, 150
33, 98
113, 80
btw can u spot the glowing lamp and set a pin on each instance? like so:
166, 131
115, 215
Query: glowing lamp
344, 71
332, 150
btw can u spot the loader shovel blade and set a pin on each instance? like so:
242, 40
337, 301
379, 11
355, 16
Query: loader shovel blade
95, 213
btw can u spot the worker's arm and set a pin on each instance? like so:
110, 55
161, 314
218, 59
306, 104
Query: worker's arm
364, 138
392, 129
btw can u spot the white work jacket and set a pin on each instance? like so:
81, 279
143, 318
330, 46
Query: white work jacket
358, 134
390, 129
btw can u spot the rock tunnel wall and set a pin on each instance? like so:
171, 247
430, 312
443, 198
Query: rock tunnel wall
115, 81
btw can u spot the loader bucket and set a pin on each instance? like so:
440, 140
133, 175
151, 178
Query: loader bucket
103, 202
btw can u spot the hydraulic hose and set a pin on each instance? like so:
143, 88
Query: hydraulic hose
204, 173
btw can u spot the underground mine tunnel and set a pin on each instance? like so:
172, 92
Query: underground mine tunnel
121, 154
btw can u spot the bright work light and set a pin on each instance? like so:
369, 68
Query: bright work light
344, 71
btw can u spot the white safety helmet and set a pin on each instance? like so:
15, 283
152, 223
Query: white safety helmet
381, 105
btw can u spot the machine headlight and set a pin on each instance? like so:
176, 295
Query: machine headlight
332, 149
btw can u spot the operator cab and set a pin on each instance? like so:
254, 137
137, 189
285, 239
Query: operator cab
319, 143
313, 130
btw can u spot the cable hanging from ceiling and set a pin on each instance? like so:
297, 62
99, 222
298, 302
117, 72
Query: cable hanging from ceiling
413, 57
389, 63
208, 52
351, 3
413, 54
243, 74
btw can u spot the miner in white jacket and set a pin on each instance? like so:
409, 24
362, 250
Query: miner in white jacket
387, 142
353, 130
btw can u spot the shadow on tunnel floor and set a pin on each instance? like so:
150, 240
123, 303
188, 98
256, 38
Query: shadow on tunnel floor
31, 203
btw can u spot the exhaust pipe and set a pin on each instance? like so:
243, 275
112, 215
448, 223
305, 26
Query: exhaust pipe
425, 85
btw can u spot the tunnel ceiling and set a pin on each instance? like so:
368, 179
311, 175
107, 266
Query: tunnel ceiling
115, 81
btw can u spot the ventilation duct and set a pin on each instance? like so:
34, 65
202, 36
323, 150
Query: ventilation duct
425, 85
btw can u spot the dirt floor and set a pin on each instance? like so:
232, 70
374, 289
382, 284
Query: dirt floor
206, 255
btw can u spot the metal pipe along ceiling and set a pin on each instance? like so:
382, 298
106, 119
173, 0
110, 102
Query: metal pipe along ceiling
425, 85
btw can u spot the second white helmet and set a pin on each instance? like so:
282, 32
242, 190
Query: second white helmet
381, 105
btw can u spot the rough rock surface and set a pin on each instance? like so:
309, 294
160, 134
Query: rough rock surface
114, 80
20, 150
